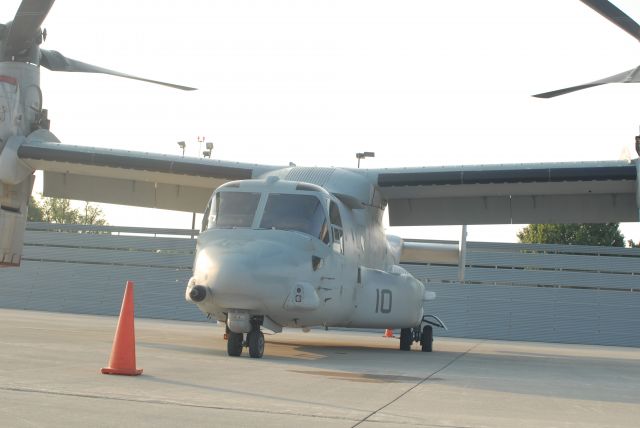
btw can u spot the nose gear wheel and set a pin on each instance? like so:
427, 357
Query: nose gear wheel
255, 340
234, 344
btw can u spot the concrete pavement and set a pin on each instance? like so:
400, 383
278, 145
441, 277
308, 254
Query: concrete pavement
50, 376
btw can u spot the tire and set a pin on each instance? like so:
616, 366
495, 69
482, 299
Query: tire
406, 339
234, 344
427, 339
256, 344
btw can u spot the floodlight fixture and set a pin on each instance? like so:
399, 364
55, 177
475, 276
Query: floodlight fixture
363, 155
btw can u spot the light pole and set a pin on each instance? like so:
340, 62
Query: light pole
364, 155
200, 141
183, 145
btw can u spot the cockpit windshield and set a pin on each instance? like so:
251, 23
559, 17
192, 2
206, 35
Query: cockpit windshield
233, 209
302, 213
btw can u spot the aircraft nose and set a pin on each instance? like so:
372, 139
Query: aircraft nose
250, 275
233, 272
229, 280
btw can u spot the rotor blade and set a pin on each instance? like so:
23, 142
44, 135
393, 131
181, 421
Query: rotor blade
55, 61
615, 15
24, 29
629, 76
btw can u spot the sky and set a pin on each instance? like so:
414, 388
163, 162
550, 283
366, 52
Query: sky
420, 83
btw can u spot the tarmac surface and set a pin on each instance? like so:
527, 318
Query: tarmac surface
50, 376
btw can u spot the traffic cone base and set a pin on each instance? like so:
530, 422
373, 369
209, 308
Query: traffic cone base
123, 352
124, 372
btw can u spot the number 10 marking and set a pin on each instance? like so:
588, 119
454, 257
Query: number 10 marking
384, 299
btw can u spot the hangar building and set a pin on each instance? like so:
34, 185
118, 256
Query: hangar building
546, 293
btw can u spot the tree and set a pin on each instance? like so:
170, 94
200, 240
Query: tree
35, 210
92, 215
59, 210
605, 234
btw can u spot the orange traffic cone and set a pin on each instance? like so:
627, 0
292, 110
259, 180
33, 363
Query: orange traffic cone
123, 352
388, 333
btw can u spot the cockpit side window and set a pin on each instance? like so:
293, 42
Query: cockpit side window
334, 214
302, 213
336, 228
207, 213
233, 209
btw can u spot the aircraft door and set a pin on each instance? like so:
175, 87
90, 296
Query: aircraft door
340, 292
337, 231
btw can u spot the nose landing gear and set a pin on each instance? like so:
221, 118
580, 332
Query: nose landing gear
254, 341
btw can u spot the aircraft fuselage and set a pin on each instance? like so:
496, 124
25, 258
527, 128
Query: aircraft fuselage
298, 257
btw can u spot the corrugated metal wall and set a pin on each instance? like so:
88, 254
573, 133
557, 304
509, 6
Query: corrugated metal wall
547, 293
66, 271
550, 293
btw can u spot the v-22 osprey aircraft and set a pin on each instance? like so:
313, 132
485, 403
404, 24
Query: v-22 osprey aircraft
286, 246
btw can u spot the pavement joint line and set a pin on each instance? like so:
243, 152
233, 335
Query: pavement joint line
419, 383
418, 424
168, 402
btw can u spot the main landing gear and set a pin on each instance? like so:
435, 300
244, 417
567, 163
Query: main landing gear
254, 341
421, 334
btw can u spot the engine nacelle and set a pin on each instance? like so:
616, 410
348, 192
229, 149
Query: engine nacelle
388, 299
13, 220
430, 252
426, 252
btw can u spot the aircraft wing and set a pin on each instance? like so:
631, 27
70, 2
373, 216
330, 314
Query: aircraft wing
131, 178
585, 192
